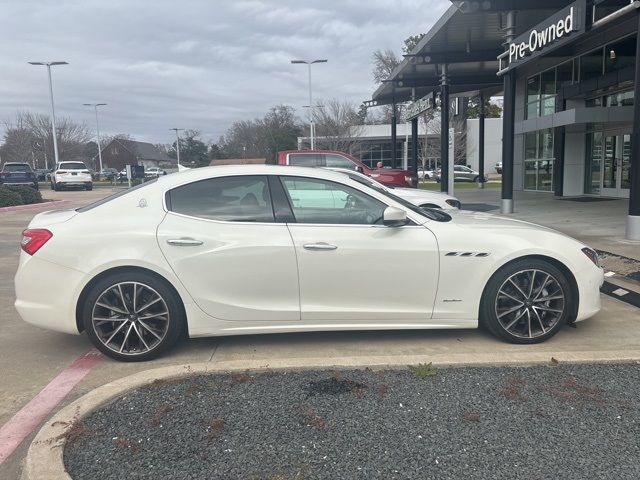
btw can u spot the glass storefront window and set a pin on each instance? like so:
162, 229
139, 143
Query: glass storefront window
620, 99
541, 94
620, 55
564, 75
538, 163
591, 64
593, 163
530, 145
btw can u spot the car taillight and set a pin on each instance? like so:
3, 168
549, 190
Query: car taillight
593, 256
60, 171
34, 238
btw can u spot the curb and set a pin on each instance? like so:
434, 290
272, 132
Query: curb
33, 206
45, 456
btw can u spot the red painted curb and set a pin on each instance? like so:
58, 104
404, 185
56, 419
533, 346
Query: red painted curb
29, 417
34, 206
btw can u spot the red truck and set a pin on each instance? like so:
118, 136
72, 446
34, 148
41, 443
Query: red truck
394, 177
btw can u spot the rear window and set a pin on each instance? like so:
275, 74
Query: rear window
73, 166
17, 167
121, 193
306, 159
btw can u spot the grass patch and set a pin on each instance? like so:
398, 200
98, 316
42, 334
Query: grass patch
423, 370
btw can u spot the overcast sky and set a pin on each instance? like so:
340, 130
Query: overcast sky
199, 64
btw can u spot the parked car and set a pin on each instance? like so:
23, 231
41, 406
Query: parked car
334, 159
250, 249
499, 167
425, 174
461, 173
420, 198
71, 174
109, 174
154, 172
43, 174
17, 173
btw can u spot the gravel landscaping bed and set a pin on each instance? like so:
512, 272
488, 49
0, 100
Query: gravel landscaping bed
544, 422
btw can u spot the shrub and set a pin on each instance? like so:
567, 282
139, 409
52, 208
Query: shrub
9, 197
29, 195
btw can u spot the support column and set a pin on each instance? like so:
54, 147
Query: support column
508, 125
394, 140
481, 141
444, 131
633, 219
414, 146
558, 152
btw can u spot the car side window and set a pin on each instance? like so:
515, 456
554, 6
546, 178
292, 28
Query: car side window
243, 198
338, 161
306, 159
319, 201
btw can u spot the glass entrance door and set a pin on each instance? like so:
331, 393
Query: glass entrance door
616, 165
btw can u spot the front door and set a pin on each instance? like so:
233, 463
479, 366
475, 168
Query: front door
354, 270
616, 165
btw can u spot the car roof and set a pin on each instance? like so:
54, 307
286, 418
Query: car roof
196, 174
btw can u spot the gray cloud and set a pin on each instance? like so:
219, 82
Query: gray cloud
198, 64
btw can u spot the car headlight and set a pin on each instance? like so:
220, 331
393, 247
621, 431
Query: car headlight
453, 203
592, 254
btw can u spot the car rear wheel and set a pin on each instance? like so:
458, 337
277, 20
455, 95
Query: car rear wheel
88, 186
132, 316
527, 301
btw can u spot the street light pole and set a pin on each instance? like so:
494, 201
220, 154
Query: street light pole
95, 106
311, 124
53, 110
177, 144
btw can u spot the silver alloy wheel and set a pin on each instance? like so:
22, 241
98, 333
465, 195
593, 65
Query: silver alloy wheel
530, 303
130, 318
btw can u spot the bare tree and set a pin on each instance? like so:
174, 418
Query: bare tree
384, 63
338, 126
28, 137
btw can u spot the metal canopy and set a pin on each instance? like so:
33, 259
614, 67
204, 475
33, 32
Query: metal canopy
467, 37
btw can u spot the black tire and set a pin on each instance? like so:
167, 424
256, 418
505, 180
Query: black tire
88, 186
56, 187
476, 178
489, 303
172, 329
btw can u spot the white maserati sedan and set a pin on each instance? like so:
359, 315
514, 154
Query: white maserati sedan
253, 249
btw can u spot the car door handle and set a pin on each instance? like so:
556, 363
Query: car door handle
184, 242
319, 246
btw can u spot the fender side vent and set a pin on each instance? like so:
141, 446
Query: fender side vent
451, 254
483, 254
466, 254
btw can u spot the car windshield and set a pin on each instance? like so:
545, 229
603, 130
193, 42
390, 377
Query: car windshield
73, 166
17, 167
430, 213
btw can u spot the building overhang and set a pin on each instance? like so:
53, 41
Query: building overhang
577, 117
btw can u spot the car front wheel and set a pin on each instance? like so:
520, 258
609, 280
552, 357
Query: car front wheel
527, 301
132, 316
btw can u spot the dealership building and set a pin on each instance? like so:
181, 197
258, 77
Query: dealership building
566, 71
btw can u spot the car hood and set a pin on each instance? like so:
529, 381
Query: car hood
488, 221
52, 217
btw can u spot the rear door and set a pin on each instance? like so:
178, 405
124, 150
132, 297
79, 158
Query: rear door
222, 242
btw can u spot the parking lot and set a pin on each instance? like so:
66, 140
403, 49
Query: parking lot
31, 357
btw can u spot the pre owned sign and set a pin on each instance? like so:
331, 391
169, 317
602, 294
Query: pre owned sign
538, 39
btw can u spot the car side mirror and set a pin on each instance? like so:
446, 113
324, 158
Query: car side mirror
394, 217
358, 168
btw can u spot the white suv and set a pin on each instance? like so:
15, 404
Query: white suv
71, 174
